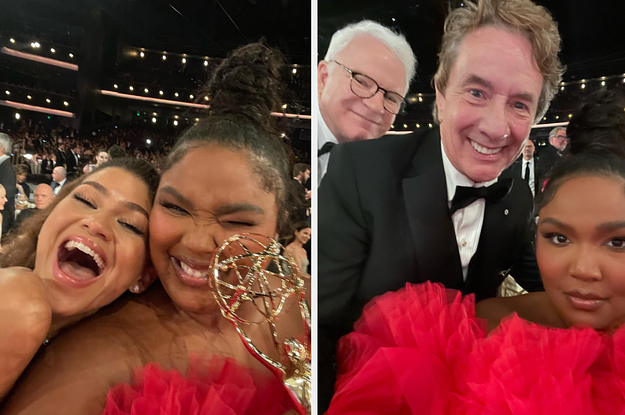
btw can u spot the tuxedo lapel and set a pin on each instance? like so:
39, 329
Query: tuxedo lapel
433, 236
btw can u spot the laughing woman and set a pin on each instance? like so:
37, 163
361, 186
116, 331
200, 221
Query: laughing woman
76, 256
225, 176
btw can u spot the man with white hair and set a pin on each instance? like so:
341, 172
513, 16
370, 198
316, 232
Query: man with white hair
362, 84
551, 154
59, 178
8, 180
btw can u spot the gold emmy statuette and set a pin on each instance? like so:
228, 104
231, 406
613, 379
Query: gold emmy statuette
256, 282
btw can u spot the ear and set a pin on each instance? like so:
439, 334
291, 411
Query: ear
147, 277
322, 76
440, 104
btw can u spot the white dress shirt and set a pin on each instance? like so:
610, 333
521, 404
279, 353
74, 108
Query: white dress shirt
57, 189
532, 179
324, 135
467, 221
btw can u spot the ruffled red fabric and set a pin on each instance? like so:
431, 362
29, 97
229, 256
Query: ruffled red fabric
421, 350
217, 386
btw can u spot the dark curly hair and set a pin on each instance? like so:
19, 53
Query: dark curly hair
599, 125
21, 249
245, 89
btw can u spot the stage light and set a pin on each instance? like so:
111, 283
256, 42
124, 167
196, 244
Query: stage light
142, 54
175, 122
176, 95
154, 121
29, 97
146, 90
294, 71
164, 57
71, 55
66, 103
115, 86
35, 45
131, 88
17, 115
12, 40
52, 50
160, 92
184, 60
205, 63
48, 100
191, 96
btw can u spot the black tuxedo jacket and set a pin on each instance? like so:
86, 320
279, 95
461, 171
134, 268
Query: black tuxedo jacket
61, 158
515, 171
72, 162
384, 221
8, 180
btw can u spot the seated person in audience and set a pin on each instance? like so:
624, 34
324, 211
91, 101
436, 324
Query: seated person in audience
101, 157
78, 254
3, 200
21, 171
301, 235
43, 197
59, 178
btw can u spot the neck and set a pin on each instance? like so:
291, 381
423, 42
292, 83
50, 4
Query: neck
527, 158
59, 322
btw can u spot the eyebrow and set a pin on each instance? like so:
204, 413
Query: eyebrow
222, 210
130, 205
474, 79
604, 227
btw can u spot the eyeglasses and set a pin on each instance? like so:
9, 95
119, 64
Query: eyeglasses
365, 87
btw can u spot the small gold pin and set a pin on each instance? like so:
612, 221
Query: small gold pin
506, 211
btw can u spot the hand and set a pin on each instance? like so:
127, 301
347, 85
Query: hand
25, 318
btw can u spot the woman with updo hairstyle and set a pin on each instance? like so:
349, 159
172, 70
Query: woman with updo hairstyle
225, 176
295, 247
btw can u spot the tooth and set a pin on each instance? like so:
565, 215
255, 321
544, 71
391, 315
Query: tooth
188, 270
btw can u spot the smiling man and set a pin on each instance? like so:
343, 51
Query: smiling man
429, 206
362, 82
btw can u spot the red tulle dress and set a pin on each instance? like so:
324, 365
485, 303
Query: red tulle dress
421, 350
218, 386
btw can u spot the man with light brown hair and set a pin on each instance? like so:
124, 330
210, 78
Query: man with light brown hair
429, 206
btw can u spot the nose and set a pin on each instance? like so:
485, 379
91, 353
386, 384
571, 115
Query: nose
376, 103
98, 225
494, 120
585, 264
202, 240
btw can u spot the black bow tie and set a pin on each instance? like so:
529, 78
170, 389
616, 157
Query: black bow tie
326, 148
466, 195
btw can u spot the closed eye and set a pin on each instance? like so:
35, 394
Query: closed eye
175, 209
132, 227
85, 201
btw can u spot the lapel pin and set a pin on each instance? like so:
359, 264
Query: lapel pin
506, 211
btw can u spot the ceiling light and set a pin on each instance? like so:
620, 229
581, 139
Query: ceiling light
12, 40
191, 96
164, 57
115, 86
7, 92
154, 121
29, 97
175, 122
176, 94
48, 100
71, 55
206, 98
146, 90
131, 88
184, 60
52, 50
294, 71
17, 115
205, 63
142, 54
160, 92
66, 103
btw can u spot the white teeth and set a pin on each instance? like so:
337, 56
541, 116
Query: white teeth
71, 245
484, 150
188, 270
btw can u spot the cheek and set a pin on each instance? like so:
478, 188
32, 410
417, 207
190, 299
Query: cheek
164, 233
552, 263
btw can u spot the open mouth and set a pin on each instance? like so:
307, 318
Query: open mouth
80, 262
484, 150
191, 275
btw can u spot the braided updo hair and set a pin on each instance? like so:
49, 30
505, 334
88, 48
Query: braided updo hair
243, 91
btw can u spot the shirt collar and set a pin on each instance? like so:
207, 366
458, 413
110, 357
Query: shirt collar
3, 157
324, 135
454, 178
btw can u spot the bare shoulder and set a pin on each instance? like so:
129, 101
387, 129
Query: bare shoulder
85, 361
527, 306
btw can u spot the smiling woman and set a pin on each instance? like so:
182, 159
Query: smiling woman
74, 257
225, 176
